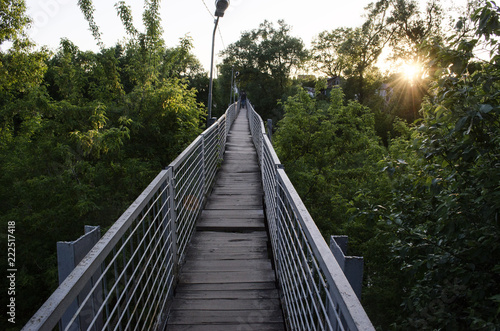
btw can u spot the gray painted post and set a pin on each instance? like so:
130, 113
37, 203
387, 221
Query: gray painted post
173, 219
69, 255
352, 266
270, 130
211, 121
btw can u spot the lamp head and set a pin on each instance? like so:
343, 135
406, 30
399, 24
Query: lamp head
221, 6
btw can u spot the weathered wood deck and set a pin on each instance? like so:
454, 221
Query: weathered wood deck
227, 282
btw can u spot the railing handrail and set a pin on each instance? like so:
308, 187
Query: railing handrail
51, 312
348, 310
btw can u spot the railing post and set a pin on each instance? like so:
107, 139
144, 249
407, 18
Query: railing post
204, 165
270, 129
277, 218
173, 217
69, 254
220, 141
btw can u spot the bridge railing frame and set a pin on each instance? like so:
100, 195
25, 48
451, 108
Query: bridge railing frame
131, 273
315, 293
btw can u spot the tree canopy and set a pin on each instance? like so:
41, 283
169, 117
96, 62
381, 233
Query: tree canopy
82, 134
425, 215
265, 58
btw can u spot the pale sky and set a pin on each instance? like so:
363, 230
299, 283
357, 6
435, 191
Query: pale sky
56, 19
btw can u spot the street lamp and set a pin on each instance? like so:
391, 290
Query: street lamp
221, 6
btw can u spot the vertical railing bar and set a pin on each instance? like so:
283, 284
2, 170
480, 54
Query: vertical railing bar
124, 272
144, 270
122, 251
159, 289
298, 274
148, 263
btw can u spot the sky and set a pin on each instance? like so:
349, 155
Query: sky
56, 19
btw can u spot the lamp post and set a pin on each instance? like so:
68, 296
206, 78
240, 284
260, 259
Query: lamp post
232, 87
221, 6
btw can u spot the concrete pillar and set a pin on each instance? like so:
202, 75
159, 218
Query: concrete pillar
270, 129
69, 255
352, 266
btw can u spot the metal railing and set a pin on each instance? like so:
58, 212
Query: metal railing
127, 279
315, 292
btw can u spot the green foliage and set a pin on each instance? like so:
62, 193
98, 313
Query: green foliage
81, 135
87, 8
328, 151
442, 213
12, 19
428, 224
125, 14
265, 58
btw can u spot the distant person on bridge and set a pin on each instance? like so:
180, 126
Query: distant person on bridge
243, 99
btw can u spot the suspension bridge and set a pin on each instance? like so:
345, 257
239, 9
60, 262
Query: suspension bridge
220, 240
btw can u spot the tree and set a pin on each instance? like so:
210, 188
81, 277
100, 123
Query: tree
326, 54
265, 58
12, 19
413, 27
328, 149
443, 211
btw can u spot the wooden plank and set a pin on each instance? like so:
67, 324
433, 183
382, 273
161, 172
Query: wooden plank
256, 276
222, 174
231, 214
231, 191
254, 180
230, 225
231, 250
204, 317
228, 242
224, 201
226, 265
240, 185
228, 256
224, 304
237, 147
227, 287
219, 245
225, 327
229, 237
234, 206
228, 295
213, 235
255, 198
240, 168
225, 176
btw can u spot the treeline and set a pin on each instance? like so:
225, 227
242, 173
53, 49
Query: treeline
82, 134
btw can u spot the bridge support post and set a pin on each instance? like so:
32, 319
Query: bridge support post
211, 121
352, 266
69, 255
270, 129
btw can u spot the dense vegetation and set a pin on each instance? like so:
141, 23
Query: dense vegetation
407, 166
424, 210
82, 134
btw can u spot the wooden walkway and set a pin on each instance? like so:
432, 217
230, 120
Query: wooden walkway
227, 282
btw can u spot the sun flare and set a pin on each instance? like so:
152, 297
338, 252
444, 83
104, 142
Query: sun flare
412, 71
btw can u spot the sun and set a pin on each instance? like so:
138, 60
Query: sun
411, 71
